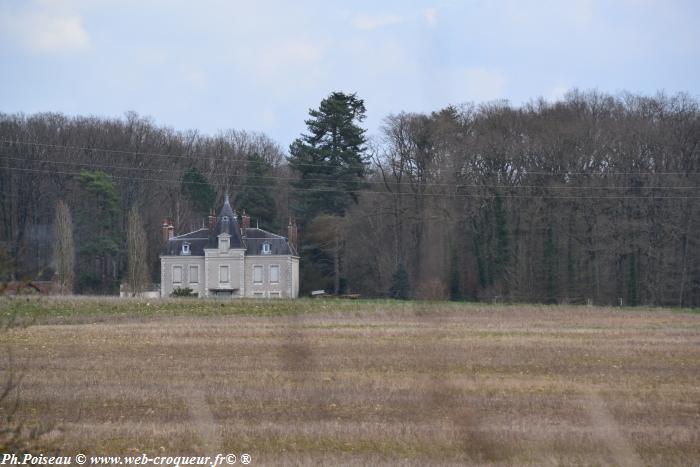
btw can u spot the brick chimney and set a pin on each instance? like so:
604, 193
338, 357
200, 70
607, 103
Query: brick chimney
245, 221
167, 229
212, 220
292, 233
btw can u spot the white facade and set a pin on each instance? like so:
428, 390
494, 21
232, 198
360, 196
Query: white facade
235, 275
230, 272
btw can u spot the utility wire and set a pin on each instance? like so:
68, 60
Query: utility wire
181, 172
340, 190
192, 157
230, 159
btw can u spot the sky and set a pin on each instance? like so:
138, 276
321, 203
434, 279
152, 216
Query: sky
213, 65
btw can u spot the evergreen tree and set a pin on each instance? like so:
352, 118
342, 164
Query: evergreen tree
330, 159
330, 164
198, 191
455, 280
99, 238
256, 197
399, 283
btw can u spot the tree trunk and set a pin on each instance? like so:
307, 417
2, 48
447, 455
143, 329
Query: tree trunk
336, 267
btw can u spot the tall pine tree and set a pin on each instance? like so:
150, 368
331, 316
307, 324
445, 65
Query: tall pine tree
99, 237
330, 159
330, 163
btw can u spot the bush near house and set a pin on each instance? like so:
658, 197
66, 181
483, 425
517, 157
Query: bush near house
183, 292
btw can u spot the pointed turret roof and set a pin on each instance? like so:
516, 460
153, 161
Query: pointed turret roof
226, 222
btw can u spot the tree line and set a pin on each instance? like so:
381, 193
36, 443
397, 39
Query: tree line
593, 198
107, 173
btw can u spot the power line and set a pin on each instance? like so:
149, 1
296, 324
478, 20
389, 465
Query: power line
340, 190
231, 159
371, 182
140, 153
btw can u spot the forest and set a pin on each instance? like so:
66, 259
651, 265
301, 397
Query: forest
590, 199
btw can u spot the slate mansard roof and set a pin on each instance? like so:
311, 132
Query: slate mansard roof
252, 240
198, 240
255, 238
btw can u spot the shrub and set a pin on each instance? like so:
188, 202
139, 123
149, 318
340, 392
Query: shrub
399, 283
183, 292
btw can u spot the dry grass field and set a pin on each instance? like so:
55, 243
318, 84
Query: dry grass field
361, 383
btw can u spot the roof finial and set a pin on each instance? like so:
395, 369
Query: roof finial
226, 201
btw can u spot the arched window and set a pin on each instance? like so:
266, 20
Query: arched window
266, 250
186, 249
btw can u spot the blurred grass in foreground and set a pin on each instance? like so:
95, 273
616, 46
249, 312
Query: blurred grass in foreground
92, 309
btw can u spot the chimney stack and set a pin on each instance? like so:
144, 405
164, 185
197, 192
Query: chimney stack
212, 220
167, 229
292, 234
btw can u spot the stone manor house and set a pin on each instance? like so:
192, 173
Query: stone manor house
228, 259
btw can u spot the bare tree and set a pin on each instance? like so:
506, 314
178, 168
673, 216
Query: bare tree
591, 197
64, 249
136, 244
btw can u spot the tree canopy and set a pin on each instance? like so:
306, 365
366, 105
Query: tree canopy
592, 198
256, 194
100, 240
198, 191
330, 159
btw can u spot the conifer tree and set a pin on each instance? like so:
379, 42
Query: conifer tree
256, 197
198, 191
330, 163
330, 159
100, 239
399, 283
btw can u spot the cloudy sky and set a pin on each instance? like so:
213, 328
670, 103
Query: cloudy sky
260, 65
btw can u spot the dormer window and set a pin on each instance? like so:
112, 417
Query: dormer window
186, 249
224, 242
224, 219
266, 250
